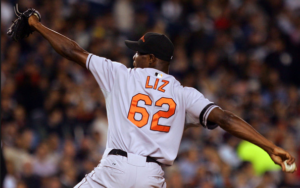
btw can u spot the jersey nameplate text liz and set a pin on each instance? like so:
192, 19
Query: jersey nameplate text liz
146, 108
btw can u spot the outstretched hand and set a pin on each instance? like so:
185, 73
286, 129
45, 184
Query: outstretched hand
279, 156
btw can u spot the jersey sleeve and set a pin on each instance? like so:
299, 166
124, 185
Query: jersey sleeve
104, 71
198, 108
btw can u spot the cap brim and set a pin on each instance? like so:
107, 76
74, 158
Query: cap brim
134, 45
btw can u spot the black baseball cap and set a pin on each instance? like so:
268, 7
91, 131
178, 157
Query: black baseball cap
153, 43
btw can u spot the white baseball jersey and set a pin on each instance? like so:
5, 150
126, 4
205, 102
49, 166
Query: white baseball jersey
146, 108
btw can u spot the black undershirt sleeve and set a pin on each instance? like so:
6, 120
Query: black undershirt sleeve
204, 115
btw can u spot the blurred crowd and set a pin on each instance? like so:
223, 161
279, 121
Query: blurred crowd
242, 54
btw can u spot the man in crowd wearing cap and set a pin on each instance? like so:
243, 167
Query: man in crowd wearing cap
147, 109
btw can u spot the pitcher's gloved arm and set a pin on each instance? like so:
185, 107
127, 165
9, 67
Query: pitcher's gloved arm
64, 46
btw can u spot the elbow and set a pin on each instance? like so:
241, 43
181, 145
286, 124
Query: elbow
226, 120
74, 48
71, 51
66, 51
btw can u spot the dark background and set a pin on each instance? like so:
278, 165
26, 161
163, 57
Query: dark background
242, 54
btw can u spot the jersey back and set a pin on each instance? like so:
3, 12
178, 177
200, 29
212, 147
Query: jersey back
146, 108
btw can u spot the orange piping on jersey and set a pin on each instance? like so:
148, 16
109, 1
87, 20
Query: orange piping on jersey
156, 82
162, 86
147, 83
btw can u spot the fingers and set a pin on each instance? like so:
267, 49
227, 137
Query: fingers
282, 167
290, 159
284, 159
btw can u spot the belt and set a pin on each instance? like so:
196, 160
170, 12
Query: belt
124, 153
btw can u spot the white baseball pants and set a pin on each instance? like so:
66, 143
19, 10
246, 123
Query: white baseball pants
115, 171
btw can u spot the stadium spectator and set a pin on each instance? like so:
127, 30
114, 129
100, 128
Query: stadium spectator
244, 55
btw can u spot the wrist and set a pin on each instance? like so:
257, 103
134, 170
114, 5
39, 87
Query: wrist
271, 149
33, 22
35, 26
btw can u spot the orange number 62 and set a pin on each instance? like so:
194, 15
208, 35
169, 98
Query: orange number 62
145, 115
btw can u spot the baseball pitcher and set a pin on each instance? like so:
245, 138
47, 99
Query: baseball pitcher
146, 109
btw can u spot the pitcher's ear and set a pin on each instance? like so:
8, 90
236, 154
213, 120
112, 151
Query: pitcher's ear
153, 59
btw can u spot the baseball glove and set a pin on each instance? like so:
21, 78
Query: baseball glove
20, 28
